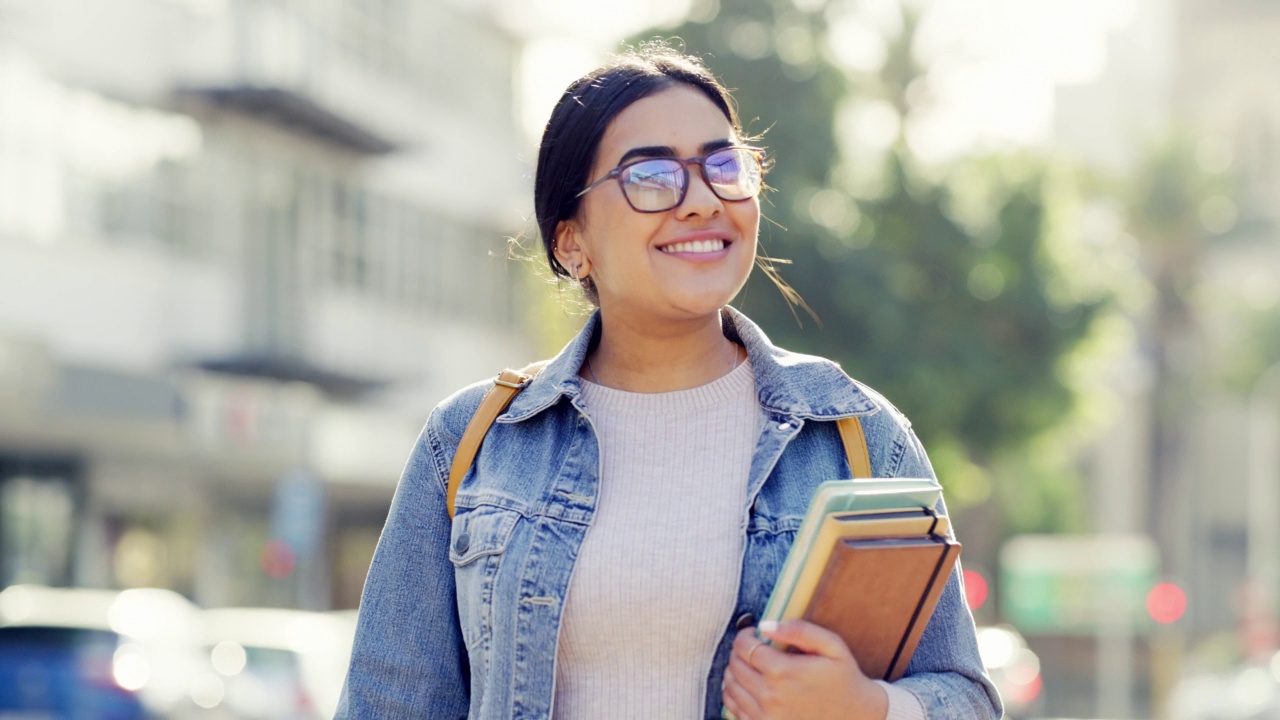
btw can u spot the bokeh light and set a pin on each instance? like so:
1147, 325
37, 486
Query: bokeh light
130, 667
1166, 603
976, 588
228, 658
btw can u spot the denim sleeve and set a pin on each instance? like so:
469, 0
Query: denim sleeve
946, 671
409, 659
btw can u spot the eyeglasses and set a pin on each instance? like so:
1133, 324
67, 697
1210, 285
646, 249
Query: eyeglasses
656, 185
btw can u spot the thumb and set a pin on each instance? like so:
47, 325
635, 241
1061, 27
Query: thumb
806, 637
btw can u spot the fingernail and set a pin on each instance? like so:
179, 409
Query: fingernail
768, 626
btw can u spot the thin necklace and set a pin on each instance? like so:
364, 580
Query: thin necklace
737, 360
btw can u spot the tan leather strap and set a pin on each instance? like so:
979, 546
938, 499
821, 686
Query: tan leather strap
506, 386
855, 446
509, 383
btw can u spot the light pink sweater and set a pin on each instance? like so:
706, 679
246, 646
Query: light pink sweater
656, 579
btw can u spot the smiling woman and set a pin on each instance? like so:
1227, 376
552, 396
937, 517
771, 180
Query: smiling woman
663, 245
627, 514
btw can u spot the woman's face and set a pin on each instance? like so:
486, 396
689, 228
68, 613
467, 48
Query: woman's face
663, 264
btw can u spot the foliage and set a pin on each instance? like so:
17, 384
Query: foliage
937, 286
1182, 208
1256, 353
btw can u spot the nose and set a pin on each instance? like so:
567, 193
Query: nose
699, 200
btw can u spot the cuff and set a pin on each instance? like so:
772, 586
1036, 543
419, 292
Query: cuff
903, 704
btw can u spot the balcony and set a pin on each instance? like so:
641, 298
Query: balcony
297, 113
275, 64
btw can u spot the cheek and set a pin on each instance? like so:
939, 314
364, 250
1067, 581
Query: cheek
747, 218
615, 229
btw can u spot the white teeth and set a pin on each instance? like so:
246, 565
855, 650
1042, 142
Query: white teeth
695, 246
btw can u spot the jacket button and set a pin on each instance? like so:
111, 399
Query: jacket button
462, 543
745, 620
784, 426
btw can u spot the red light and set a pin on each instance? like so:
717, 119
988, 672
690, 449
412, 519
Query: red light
1166, 603
278, 559
975, 589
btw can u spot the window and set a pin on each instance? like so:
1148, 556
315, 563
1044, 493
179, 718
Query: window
37, 529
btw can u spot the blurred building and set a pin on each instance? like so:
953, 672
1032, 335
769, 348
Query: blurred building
245, 245
1205, 68
1226, 91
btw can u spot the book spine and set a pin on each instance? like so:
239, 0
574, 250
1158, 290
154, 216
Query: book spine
924, 611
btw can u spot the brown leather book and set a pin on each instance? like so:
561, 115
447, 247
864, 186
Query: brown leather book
844, 526
878, 594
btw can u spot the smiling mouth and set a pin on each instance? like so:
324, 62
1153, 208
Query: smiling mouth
695, 246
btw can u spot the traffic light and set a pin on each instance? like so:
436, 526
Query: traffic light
975, 588
1166, 603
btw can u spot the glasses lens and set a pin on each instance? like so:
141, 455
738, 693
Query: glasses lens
654, 185
734, 173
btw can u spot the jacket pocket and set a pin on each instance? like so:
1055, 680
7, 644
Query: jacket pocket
476, 546
480, 532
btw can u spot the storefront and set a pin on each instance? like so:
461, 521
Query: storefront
229, 490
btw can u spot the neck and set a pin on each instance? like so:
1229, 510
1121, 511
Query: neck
661, 357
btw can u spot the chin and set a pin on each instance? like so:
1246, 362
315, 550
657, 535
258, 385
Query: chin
702, 304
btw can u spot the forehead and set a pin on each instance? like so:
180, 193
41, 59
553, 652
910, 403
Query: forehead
680, 117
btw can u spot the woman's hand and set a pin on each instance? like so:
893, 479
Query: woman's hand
820, 680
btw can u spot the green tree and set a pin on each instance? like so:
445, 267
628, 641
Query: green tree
938, 287
1179, 211
1258, 350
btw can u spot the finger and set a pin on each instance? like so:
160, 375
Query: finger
806, 637
749, 679
740, 701
730, 711
745, 675
746, 651
744, 641
763, 659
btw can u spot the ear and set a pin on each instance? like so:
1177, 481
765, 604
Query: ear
569, 249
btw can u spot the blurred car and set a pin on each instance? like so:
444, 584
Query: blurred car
278, 663
1247, 692
66, 672
1013, 667
82, 653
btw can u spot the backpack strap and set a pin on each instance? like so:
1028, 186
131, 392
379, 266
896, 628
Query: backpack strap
506, 386
509, 383
855, 446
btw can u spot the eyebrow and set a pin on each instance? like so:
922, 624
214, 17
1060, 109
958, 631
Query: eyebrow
668, 151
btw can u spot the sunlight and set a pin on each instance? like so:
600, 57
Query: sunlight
995, 64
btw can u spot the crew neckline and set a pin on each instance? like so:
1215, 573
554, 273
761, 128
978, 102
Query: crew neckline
723, 389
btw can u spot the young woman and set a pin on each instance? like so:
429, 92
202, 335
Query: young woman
627, 515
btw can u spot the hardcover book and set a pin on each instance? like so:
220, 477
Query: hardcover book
869, 562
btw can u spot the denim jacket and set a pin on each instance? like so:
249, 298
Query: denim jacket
461, 618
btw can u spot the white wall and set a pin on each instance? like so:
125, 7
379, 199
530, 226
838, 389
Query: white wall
119, 307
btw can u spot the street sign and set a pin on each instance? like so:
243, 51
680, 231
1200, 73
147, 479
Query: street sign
1077, 584
297, 514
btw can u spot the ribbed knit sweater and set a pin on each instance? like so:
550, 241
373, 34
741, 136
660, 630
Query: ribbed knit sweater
656, 577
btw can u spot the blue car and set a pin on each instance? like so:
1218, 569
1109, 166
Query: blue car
64, 672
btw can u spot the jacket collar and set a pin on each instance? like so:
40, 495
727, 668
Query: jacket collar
790, 383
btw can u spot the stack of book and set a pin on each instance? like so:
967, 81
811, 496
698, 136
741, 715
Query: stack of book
869, 562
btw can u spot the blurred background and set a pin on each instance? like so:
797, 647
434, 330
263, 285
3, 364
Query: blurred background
247, 245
